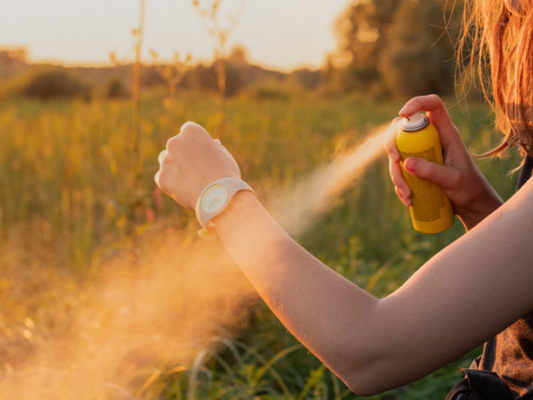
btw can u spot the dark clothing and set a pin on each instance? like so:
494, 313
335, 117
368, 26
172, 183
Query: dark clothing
507, 358
510, 353
525, 174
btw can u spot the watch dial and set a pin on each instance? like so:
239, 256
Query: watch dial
214, 198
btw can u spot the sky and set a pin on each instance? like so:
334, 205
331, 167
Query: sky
280, 34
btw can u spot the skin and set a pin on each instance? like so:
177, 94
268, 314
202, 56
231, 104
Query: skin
465, 295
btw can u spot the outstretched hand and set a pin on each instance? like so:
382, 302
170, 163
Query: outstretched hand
471, 194
191, 161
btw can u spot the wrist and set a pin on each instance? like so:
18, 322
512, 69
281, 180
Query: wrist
487, 207
215, 199
239, 213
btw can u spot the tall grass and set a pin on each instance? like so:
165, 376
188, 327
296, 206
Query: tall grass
65, 205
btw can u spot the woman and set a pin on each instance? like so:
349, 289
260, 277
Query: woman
477, 290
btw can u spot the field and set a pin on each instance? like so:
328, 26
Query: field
79, 212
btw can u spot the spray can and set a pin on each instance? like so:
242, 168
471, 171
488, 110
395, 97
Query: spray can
431, 210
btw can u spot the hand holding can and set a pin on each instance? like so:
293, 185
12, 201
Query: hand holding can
431, 210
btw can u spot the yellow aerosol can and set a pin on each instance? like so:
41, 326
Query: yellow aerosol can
431, 210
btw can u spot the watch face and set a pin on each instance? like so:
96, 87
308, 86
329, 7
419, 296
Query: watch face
214, 198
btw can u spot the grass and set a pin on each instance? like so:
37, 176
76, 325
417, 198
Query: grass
69, 206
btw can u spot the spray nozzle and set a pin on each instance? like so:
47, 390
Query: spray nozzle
414, 122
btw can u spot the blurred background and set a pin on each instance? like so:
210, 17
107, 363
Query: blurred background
105, 290
385, 48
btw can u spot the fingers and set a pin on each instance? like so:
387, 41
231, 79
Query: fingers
390, 141
446, 177
406, 201
189, 130
192, 128
398, 180
402, 188
437, 113
162, 155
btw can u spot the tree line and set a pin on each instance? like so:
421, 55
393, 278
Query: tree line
401, 48
386, 48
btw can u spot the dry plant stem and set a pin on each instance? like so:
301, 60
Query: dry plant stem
134, 178
172, 74
136, 111
136, 98
222, 89
211, 20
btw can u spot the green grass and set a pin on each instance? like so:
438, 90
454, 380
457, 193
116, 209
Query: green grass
69, 201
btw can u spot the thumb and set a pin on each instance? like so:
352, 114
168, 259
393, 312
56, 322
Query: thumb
446, 177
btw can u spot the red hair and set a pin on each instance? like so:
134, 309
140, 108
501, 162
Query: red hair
497, 44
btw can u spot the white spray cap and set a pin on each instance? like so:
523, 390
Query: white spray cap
414, 123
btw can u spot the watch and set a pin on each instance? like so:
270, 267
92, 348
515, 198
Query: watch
214, 199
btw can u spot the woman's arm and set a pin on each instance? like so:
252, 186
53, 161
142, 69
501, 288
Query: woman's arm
463, 296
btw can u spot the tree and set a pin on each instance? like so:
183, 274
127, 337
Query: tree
419, 58
363, 33
403, 47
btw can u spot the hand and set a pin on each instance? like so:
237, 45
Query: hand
192, 161
471, 194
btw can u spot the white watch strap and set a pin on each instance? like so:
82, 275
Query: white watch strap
232, 185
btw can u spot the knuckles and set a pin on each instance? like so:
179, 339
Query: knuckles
456, 180
173, 144
166, 168
434, 97
190, 128
426, 170
162, 180
166, 162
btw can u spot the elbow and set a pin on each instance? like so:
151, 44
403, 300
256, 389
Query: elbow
375, 372
364, 391
368, 360
366, 386
370, 378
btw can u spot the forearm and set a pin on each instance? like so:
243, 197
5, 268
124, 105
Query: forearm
330, 315
372, 345
466, 294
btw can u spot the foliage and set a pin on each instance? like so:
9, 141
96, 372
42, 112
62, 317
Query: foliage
55, 82
115, 89
420, 56
405, 47
206, 78
46, 82
364, 33
176, 76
